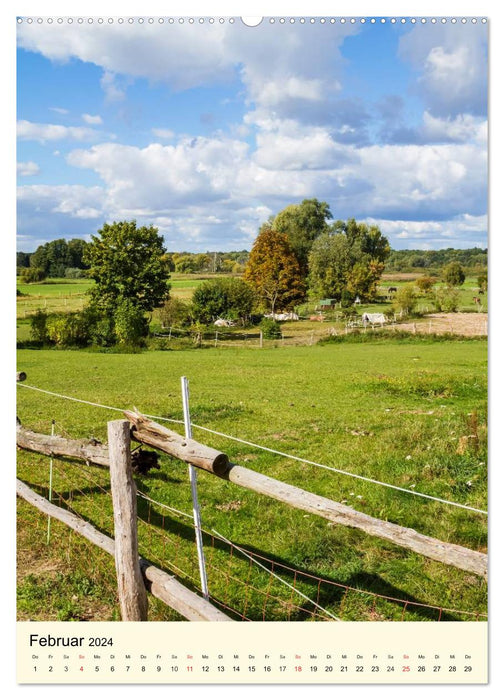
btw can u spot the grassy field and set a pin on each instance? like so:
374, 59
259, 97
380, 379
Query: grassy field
70, 295
407, 413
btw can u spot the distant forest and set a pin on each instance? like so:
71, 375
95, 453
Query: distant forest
66, 258
413, 260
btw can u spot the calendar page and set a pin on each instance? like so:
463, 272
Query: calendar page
252, 328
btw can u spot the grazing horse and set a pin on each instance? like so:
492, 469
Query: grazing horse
391, 290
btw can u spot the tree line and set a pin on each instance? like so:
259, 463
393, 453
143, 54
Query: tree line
299, 254
413, 260
66, 259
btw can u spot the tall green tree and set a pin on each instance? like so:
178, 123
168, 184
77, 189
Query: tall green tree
273, 271
330, 263
303, 224
349, 257
127, 263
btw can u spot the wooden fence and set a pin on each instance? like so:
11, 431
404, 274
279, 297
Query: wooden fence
134, 574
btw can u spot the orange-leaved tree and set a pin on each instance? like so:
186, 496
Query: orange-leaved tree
274, 271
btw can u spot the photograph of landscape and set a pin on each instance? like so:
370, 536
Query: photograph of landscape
263, 250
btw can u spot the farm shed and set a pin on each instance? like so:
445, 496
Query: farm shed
327, 304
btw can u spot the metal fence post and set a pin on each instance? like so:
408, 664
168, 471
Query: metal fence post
194, 491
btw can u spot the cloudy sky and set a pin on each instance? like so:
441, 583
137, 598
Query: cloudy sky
206, 129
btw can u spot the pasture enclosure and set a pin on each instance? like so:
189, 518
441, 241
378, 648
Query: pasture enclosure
317, 572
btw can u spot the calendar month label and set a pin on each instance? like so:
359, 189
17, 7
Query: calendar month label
255, 652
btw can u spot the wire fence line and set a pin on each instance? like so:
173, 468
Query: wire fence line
267, 449
247, 584
258, 558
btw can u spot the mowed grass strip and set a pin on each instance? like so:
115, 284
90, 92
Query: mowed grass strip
407, 414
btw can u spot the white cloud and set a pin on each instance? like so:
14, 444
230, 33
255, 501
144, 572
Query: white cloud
452, 65
187, 57
92, 119
464, 230
431, 180
27, 168
437, 179
292, 71
110, 86
76, 200
463, 128
163, 133
59, 110
30, 131
55, 211
288, 145
160, 177
309, 140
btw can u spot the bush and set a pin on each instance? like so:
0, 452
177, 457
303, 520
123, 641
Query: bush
69, 330
425, 283
453, 274
446, 299
404, 301
75, 273
270, 329
483, 281
176, 313
130, 324
38, 327
102, 331
32, 274
229, 298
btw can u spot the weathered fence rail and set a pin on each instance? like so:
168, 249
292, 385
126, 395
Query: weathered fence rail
190, 451
160, 584
150, 433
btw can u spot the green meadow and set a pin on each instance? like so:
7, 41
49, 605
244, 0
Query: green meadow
411, 413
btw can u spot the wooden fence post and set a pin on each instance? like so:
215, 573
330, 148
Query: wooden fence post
131, 588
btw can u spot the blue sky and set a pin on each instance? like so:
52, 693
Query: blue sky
205, 130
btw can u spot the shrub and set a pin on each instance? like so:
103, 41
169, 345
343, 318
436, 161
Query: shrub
270, 328
404, 300
483, 281
425, 283
223, 297
175, 312
38, 327
446, 299
69, 330
130, 324
74, 273
453, 274
32, 274
102, 331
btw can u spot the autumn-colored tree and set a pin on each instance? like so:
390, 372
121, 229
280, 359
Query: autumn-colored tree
273, 271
